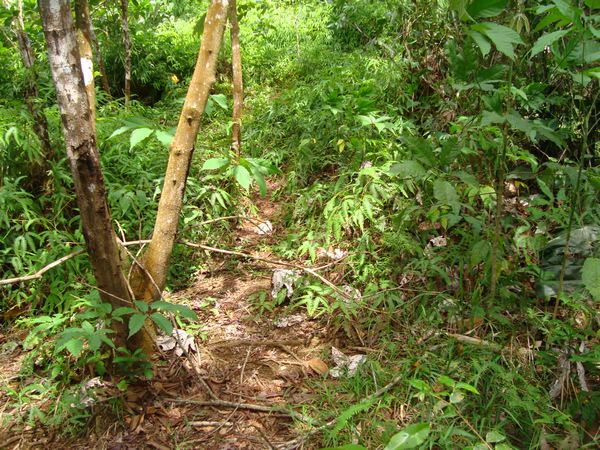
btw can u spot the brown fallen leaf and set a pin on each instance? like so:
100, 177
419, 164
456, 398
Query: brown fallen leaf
318, 366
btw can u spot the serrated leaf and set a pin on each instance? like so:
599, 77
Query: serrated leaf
486, 8
444, 192
162, 322
74, 346
141, 305
547, 40
590, 275
242, 176
481, 42
136, 322
215, 163
502, 37
410, 437
138, 135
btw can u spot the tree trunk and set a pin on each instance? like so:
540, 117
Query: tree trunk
84, 42
99, 57
238, 86
80, 140
156, 259
127, 47
40, 123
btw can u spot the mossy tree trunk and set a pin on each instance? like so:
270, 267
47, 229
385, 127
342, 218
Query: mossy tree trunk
80, 141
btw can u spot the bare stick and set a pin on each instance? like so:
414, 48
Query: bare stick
42, 271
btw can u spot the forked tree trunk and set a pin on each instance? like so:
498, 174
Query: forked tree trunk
149, 283
80, 141
238, 85
84, 42
127, 48
40, 123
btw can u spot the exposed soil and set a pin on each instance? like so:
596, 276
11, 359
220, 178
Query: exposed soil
242, 358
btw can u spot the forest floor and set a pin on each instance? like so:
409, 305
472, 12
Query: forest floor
248, 362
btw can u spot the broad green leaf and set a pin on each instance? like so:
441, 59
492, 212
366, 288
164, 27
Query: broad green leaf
479, 9
215, 163
162, 322
444, 192
502, 37
164, 137
493, 437
242, 176
547, 40
481, 42
410, 437
138, 135
590, 275
183, 310
467, 387
74, 346
136, 322
119, 131
142, 306
408, 169
260, 181
220, 100
122, 311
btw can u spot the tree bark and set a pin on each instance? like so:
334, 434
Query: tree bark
80, 140
84, 42
40, 122
99, 57
148, 284
127, 48
238, 85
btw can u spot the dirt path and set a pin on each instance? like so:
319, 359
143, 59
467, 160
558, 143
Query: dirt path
242, 358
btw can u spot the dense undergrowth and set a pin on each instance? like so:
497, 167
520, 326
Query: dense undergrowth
443, 147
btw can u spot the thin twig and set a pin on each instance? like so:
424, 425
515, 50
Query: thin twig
246, 406
42, 271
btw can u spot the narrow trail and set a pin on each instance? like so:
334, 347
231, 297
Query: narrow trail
242, 357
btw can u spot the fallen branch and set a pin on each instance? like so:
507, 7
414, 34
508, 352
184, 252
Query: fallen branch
236, 405
37, 275
475, 341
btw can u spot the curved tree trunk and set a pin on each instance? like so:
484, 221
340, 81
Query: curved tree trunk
148, 284
238, 85
127, 48
84, 42
80, 141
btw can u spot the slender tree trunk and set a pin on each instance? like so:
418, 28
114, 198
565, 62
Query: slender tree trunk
40, 123
99, 58
156, 259
80, 141
238, 85
83, 25
127, 47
